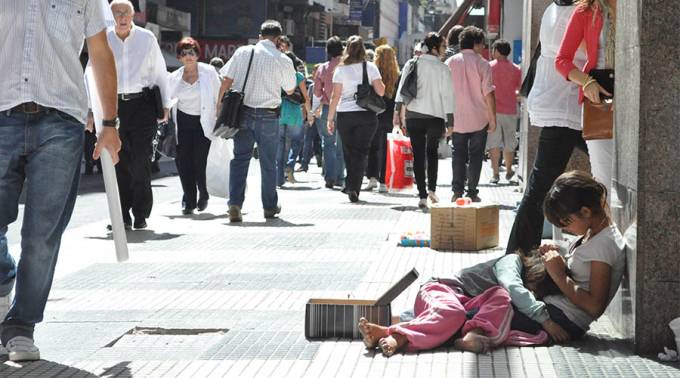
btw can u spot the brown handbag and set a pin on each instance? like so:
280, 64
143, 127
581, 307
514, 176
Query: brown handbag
598, 120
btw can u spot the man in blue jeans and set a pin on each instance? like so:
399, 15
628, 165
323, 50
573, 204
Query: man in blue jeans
43, 109
270, 72
333, 160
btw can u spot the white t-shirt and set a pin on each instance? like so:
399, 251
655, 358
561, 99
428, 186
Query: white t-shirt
189, 98
350, 77
608, 247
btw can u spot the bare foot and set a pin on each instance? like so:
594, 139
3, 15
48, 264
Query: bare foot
390, 344
371, 333
473, 342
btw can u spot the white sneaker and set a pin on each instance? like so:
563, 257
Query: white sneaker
422, 204
372, 184
433, 197
382, 189
22, 348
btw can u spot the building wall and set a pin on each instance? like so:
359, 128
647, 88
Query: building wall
389, 21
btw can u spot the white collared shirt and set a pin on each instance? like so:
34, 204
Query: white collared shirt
139, 62
271, 72
41, 44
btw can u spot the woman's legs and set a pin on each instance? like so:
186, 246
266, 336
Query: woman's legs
417, 131
601, 160
356, 130
201, 149
435, 130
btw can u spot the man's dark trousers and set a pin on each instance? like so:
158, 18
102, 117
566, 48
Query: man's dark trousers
467, 146
555, 146
137, 129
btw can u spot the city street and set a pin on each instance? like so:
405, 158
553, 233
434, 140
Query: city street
202, 297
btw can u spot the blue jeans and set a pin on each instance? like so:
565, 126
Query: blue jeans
333, 159
261, 126
308, 145
44, 152
290, 143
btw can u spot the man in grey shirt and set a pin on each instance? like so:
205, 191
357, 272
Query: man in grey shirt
43, 109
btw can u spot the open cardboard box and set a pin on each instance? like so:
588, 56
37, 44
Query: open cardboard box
338, 318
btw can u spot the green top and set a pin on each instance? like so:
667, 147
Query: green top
291, 113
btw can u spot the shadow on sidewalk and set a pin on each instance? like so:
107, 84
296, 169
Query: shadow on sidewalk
199, 216
44, 368
274, 222
140, 236
298, 188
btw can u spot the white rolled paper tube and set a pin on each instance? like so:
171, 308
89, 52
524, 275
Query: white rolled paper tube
675, 327
117, 226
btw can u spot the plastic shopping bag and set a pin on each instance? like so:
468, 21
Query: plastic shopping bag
399, 164
217, 168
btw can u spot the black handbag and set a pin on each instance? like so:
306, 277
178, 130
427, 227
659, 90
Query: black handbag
409, 90
229, 120
528, 82
296, 97
366, 96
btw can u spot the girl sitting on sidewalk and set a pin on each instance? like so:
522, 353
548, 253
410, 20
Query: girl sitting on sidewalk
479, 315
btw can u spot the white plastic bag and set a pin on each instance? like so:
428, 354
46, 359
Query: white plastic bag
217, 169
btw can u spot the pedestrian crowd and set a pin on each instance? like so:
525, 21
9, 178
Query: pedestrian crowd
342, 113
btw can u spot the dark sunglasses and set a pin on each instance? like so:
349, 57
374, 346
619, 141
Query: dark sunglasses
564, 3
187, 52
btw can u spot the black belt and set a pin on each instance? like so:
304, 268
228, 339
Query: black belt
130, 96
30, 108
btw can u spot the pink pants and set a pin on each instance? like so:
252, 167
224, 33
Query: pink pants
440, 313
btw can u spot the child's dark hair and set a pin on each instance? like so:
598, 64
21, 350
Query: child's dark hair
502, 46
569, 193
534, 275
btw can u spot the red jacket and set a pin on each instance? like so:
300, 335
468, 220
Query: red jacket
581, 28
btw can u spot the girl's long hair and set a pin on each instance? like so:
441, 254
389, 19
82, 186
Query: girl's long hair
386, 60
354, 51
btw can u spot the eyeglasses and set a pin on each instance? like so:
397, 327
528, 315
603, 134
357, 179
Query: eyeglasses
188, 53
122, 14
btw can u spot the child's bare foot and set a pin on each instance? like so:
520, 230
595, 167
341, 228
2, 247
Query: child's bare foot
371, 333
474, 342
390, 344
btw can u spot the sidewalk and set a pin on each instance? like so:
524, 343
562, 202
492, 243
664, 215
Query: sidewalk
201, 297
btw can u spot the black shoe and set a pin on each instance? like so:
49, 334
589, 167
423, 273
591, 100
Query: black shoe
187, 211
202, 205
330, 184
271, 213
353, 196
140, 223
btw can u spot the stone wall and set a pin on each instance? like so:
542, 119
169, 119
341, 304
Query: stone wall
646, 201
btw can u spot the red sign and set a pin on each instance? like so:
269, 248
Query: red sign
493, 23
222, 48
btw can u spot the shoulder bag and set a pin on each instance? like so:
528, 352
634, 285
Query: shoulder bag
228, 122
409, 90
528, 82
366, 96
598, 119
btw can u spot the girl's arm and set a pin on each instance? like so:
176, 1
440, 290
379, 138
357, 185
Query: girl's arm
508, 271
593, 301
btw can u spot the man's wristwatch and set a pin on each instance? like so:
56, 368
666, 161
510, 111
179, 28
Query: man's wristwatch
111, 123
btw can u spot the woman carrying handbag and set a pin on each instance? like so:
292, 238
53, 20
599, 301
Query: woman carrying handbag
353, 78
194, 88
592, 27
427, 113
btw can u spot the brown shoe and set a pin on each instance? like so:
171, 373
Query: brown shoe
235, 214
271, 213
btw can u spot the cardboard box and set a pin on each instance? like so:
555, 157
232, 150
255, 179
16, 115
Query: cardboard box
338, 318
464, 228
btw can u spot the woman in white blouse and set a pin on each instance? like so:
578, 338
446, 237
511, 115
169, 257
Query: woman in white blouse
194, 89
553, 106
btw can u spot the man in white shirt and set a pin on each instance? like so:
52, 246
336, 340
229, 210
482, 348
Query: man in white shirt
270, 72
43, 108
140, 66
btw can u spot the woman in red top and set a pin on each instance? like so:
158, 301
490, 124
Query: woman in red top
592, 27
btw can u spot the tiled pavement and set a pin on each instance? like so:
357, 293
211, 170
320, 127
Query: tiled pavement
201, 297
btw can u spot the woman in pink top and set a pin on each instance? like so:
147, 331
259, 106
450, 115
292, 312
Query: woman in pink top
592, 27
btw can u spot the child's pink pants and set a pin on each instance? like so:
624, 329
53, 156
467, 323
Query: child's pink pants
440, 313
